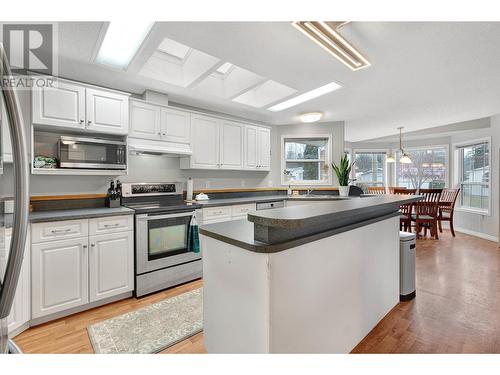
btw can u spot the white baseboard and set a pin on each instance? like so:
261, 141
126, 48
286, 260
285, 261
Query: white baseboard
477, 234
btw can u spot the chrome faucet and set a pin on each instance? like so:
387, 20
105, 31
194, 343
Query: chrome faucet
309, 191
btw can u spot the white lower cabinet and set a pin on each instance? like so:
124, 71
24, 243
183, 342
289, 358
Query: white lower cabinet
59, 276
111, 265
74, 272
20, 313
212, 215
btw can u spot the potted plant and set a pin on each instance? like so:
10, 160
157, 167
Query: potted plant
343, 170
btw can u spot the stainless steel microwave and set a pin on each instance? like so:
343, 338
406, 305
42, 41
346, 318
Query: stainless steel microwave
92, 153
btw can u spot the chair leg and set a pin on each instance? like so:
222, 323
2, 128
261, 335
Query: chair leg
451, 227
440, 226
435, 226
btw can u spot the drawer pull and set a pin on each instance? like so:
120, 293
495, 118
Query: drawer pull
55, 231
111, 225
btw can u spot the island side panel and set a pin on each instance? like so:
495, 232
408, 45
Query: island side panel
328, 294
235, 298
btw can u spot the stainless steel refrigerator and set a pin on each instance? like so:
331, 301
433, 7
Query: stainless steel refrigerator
11, 257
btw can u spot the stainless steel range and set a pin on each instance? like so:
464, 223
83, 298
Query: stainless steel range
162, 221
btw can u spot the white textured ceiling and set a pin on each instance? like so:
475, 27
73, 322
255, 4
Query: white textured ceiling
422, 74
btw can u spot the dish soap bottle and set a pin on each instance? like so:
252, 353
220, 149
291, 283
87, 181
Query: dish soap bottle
289, 190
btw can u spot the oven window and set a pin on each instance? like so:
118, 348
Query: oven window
167, 237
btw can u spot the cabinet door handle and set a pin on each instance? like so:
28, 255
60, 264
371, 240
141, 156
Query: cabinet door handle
81, 121
85, 246
163, 133
61, 230
111, 225
89, 122
92, 245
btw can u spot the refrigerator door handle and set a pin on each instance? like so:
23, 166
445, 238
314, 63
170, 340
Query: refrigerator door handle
21, 191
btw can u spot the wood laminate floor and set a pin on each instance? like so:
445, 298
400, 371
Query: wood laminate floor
457, 309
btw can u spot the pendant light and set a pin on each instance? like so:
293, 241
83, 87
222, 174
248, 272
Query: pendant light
405, 158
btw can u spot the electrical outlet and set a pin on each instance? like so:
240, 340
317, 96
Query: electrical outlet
242, 183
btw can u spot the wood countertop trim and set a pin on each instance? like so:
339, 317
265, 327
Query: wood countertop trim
66, 197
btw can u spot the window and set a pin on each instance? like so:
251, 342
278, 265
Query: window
428, 170
306, 160
370, 168
474, 176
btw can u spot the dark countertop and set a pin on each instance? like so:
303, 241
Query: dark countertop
282, 228
300, 216
82, 213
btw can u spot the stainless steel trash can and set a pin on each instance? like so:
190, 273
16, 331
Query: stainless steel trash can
407, 252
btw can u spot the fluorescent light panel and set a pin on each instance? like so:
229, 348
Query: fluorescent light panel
325, 34
332, 86
121, 42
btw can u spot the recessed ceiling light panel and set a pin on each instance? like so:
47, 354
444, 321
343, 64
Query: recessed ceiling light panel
326, 35
121, 42
332, 86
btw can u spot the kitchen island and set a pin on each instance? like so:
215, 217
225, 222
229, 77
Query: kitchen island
305, 279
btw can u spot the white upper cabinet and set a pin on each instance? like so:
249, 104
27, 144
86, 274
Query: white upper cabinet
205, 142
107, 112
175, 125
264, 149
231, 145
76, 106
251, 147
111, 264
144, 120
63, 105
224, 144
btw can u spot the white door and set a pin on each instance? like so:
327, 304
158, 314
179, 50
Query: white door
231, 145
264, 162
205, 142
251, 144
175, 125
144, 120
63, 105
5, 136
107, 112
111, 265
59, 276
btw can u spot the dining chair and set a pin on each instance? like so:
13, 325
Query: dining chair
405, 217
398, 190
431, 195
446, 208
376, 190
426, 216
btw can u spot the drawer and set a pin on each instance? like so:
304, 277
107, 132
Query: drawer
59, 230
242, 209
111, 224
216, 213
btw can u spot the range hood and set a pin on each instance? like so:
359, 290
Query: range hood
146, 146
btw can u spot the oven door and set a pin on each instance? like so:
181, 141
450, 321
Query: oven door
78, 152
161, 241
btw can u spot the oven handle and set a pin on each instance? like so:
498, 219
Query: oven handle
146, 217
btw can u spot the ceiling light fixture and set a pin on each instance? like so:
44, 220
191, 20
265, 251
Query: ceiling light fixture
311, 117
121, 42
332, 86
405, 158
326, 35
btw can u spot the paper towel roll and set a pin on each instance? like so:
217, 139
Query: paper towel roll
189, 189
